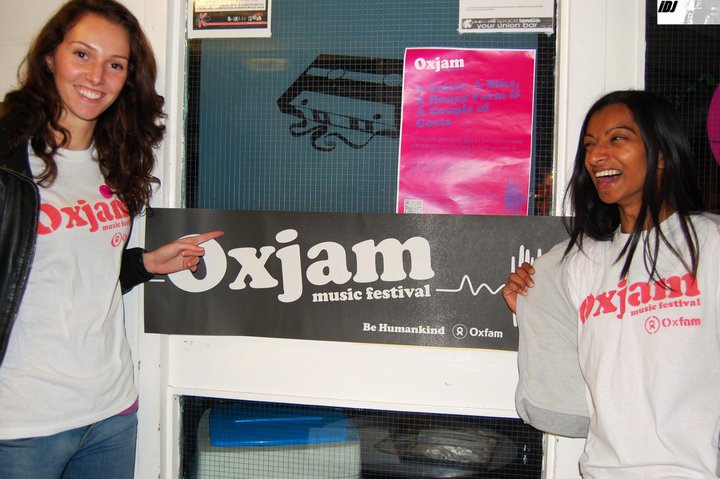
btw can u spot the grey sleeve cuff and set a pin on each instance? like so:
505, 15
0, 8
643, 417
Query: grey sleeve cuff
554, 422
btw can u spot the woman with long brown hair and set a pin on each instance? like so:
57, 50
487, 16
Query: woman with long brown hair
77, 141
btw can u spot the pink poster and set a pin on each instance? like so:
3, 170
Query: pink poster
466, 132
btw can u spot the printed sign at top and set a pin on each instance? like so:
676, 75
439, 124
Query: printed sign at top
513, 16
688, 12
466, 131
228, 18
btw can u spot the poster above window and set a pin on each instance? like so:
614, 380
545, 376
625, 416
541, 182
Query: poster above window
229, 18
506, 16
466, 131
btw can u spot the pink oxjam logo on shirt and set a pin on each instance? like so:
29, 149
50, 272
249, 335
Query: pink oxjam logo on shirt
642, 297
99, 216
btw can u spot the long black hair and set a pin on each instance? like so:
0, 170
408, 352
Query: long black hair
663, 136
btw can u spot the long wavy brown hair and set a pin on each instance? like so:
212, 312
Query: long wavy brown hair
126, 134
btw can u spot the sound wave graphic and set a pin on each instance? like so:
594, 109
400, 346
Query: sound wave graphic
523, 256
474, 291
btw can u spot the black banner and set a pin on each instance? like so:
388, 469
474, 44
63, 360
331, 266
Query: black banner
426, 280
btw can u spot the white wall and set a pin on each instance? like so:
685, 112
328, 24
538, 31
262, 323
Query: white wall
600, 48
15, 36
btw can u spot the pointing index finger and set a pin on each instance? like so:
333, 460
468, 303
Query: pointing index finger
202, 238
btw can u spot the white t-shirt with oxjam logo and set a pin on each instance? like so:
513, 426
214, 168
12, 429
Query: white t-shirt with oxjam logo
650, 354
68, 363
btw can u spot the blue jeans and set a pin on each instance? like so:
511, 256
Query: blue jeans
103, 450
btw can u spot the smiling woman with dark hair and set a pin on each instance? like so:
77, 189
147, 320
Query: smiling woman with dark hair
665, 176
634, 298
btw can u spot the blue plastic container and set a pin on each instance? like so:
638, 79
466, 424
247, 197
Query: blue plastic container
238, 425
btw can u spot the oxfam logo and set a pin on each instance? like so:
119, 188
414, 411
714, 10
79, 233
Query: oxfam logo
652, 325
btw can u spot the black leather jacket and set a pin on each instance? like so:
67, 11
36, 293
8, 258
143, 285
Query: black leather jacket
19, 210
